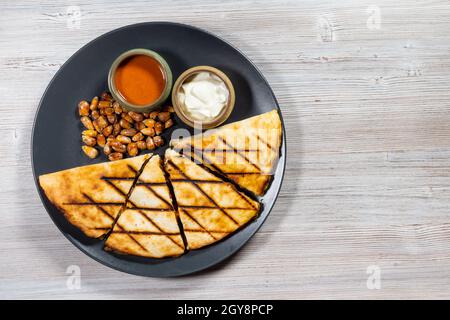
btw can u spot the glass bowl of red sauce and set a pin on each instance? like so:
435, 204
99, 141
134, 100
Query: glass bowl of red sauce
140, 80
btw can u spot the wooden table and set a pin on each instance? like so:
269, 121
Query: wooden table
364, 88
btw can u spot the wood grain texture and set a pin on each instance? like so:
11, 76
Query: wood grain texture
367, 113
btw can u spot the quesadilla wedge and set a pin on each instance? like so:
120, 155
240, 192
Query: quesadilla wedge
92, 196
148, 226
209, 208
245, 151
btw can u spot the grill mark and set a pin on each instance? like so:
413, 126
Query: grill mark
159, 197
247, 200
218, 173
202, 191
218, 150
93, 203
197, 181
117, 189
208, 162
202, 231
117, 178
141, 183
143, 214
266, 143
159, 228
113, 219
122, 230
133, 169
211, 200
137, 173
198, 223
236, 173
227, 150
117, 223
199, 154
243, 156
224, 173
176, 180
100, 208
194, 151
243, 197
170, 208
152, 222
213, 207
174, 206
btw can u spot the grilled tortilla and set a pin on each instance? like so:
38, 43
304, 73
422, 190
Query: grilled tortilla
92, 196
245, 151
209, 208
148, 227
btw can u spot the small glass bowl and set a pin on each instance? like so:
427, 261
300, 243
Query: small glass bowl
118, 96
185, 117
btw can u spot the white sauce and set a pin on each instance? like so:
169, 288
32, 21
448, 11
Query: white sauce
204, 96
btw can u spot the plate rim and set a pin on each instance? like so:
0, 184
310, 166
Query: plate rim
228, 255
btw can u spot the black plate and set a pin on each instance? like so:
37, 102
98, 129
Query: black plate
56, 133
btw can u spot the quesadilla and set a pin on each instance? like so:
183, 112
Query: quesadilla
245, 151
148, 226
92, 196
209, 208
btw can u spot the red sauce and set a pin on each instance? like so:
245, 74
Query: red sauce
140, 80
